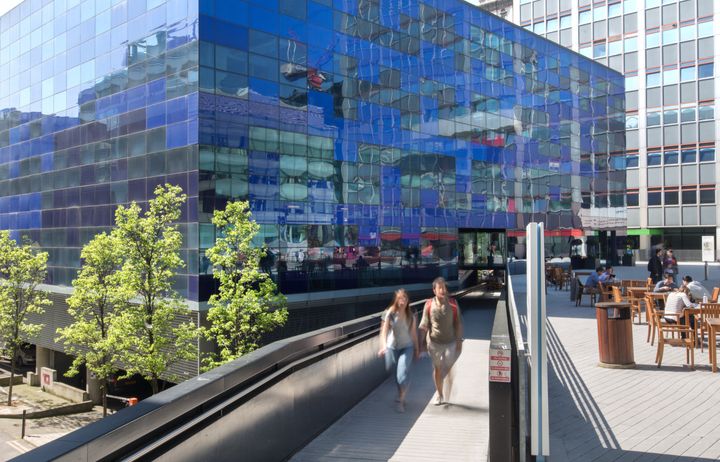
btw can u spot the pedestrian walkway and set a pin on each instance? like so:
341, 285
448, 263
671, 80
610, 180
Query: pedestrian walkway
642, 414
37, 431
458, 431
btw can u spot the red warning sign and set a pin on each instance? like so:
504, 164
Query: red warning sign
500, 364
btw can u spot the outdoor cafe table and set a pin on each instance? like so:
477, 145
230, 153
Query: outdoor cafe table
633, 284
636, 292
713, 325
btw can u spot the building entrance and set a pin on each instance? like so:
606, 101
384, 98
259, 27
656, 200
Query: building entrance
481, 249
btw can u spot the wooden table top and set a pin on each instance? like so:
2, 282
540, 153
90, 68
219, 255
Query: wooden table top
608, 305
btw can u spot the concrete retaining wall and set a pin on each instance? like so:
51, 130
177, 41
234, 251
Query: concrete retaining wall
5, 381
60, 410
62, 390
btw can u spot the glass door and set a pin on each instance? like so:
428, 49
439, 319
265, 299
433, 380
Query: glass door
482, 248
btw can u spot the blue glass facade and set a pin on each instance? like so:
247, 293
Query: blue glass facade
363, 133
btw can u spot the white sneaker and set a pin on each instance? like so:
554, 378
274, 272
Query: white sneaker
438, 400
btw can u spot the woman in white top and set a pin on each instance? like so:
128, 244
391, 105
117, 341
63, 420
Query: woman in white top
399, 342
676, 303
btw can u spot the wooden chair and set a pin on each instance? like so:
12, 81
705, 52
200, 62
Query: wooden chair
707, 311
605, 291
634, 302
617, 294
715, 294
582, 290
651, 298
666, 336
549, 276
559, 278
625, 284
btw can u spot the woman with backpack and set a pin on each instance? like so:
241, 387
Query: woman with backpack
442, 324
399, 342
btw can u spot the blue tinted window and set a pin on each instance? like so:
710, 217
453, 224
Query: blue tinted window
689, 197
231, 59
705, 70
261, 66
654, 198
707, 196
264, 44
654, 159
632, 199
707, 155
689, 156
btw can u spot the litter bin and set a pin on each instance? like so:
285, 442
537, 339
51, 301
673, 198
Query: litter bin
615, 340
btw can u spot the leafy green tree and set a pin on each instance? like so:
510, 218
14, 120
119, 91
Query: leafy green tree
98, 296
247, 304
148, 329
22, 268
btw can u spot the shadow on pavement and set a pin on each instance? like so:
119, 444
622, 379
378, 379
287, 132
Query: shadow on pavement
579, 428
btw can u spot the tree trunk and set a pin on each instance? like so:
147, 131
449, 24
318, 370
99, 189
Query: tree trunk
12, 376
154, 384
103, 393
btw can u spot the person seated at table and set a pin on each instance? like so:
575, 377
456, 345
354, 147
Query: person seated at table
666, 285
608, 275
675, 306
592, 281
697, 291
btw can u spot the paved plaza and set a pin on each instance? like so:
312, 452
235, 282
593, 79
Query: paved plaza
596, 414
642, 414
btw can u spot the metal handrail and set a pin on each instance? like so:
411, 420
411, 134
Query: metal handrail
523, 358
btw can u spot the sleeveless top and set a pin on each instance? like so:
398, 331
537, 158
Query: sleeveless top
399, 332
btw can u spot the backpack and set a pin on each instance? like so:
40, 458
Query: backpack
453, 305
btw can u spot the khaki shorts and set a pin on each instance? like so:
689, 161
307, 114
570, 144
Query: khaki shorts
443, 355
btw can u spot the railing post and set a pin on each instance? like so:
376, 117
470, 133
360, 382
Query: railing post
537, 342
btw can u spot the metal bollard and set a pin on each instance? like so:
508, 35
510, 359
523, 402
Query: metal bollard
22, 432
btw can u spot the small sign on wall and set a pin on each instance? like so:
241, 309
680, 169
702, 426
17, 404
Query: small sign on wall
708, 248
47, 377
500, 365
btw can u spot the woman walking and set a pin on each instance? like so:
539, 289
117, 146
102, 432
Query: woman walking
399, 342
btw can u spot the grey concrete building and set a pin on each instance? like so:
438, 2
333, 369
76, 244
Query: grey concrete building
667, 50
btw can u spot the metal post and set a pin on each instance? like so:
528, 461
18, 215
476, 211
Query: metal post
706, 266
22, 432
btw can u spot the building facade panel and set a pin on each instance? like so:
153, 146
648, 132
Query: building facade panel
98, 105
364, 134
667, 50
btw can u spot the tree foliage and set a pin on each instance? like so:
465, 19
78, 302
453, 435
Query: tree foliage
149, 333
247, 304
97, 299
22, 269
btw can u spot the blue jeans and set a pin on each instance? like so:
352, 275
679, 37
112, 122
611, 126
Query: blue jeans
402, 359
